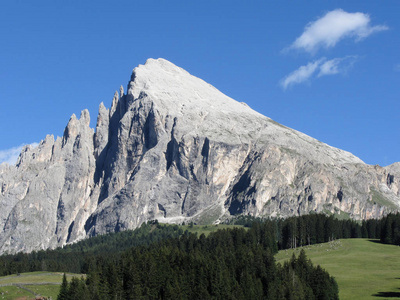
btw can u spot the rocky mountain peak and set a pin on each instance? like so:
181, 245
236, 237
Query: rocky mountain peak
174, 148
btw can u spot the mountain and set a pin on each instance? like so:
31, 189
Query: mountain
176, 149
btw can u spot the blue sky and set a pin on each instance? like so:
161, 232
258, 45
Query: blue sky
330, 69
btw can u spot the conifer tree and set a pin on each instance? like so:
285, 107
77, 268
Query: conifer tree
63, 295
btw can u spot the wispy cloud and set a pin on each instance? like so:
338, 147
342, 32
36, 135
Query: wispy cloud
301, 74
336, 65
396, 68
10, 156
325, 67
329, 67
336, 25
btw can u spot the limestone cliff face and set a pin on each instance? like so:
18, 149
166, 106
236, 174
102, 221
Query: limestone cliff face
174, 148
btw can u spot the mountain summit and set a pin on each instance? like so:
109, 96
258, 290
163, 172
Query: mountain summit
174, 148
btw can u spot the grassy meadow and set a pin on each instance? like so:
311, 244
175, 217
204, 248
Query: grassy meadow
40, 283
363, 269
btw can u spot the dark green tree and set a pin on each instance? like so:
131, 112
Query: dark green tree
63, 295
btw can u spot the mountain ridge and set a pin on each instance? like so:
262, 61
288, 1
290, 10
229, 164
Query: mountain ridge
175, 148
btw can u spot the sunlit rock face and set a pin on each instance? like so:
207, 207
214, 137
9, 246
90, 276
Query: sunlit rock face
174, 148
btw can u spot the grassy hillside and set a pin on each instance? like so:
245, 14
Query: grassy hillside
27, 285
363, 269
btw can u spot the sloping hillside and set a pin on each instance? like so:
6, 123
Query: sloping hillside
363, 269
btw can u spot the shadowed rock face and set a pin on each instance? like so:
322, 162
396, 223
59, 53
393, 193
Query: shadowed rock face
174, 148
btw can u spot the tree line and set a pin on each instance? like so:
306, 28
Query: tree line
74, 258
227, 264
390, 233
163, 261
283, 234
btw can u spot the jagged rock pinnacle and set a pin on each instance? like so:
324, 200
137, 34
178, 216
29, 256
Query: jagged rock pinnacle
174, 148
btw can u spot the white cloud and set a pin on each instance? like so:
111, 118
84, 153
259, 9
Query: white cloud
328, 30
329, 67
396, 68
326, 67
336, 65
301, 74
10, 156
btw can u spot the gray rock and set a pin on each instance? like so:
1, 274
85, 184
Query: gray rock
174, 148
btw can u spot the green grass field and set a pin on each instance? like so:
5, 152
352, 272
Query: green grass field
41, 283
363, 269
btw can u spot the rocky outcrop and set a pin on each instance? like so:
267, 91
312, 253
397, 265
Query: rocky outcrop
174, 148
